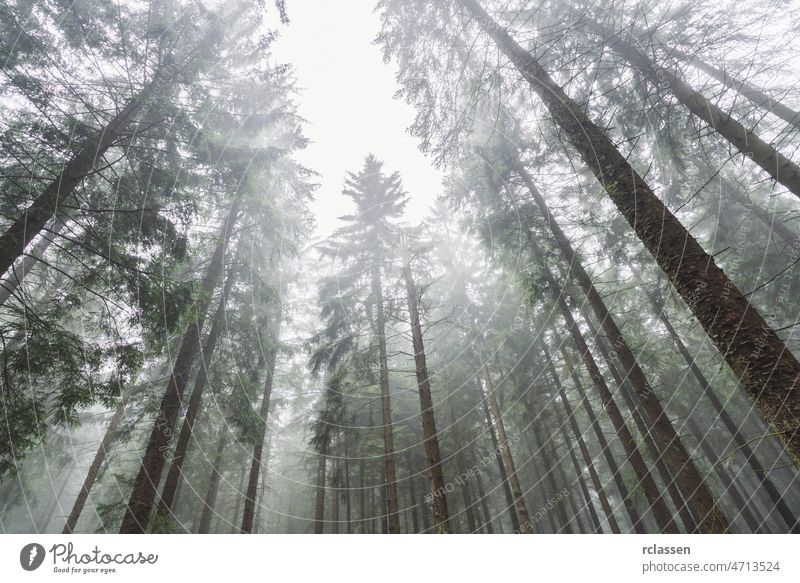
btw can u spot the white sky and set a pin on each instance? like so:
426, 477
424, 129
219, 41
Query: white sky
347, 98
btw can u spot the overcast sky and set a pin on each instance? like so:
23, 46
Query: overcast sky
347, 98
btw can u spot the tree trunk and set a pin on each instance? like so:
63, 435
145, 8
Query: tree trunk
596, 526
505, 450
362, 499
94, 469
488, 523
238, 494
728, 482
347, 496
500, 465
257, 525
319, 505
390, 472
755, 95
636, 520
758, 357
195, 403
762, 475
17, 273
335, 502
412, 494
653, 442
778, 166
587, 457
60, 191
664, 441
660, 510
142, 498
213, 485
551, 466
434, 459
255, 465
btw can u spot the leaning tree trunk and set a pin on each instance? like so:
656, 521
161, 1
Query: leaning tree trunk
587, 457
778, 166
18, 273
596, 526
758, 357
754, 94
548, 476
643, 424
431, 437
210, 500
94, 469
137, 515
762, 475
193, 408
525, 526
665, 440
729, 483
660, 510
390, 471
61, 190
255, 466
636, 521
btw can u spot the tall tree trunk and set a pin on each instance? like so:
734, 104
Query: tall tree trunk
762, 475
660, 510
482, 498
390, 471
427, 515
18, 273
596, 526
238, 495
587, 457
255, 465
778, 166
548, 475
431, 438
653, 442
347, 495
195, 404
262, 488
363, 521
758, 357
636, 521
319, 504
335, 501
142, 498
505, 450
210, 501
512, 512
664, 439
94, 469
754, 94
728, 483
412, 494
61, 190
